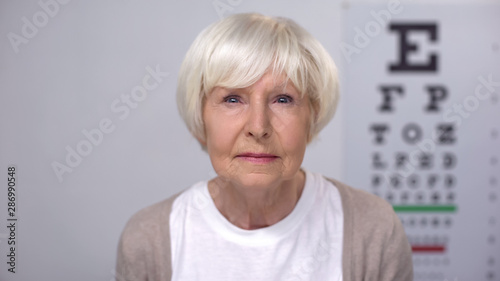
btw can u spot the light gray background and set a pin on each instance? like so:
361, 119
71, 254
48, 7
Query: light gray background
65, 79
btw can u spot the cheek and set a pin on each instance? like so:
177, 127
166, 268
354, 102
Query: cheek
221, 133
295, 142
293, 128
293, 138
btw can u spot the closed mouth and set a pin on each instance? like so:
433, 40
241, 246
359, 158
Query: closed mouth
257, 158
257, 155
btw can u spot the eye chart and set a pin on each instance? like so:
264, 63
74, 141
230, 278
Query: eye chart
421, 93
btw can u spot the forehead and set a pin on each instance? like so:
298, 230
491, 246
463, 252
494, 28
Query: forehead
271, 81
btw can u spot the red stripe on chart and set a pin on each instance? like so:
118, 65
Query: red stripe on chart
427, 249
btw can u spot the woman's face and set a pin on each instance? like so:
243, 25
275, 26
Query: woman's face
257, 136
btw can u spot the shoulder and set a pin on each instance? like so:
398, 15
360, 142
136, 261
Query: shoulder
361, 205
144, 246
146, 222
151, 225
375, 242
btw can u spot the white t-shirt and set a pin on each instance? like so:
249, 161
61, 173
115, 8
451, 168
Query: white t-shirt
305, 245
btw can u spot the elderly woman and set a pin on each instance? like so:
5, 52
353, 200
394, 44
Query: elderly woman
254, 91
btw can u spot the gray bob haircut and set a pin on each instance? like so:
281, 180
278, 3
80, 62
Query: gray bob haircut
237, 51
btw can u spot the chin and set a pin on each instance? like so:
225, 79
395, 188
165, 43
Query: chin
260, 180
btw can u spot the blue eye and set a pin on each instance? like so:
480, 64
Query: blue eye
284, 99
231, 99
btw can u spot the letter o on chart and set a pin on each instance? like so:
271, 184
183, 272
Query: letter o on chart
412, 133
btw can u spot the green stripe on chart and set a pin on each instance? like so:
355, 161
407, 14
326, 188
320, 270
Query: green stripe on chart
425, 208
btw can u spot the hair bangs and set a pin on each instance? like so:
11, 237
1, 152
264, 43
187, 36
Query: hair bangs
239, 59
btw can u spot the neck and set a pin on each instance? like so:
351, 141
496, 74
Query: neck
251, 208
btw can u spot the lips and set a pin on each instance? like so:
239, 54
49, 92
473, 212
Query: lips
257, 158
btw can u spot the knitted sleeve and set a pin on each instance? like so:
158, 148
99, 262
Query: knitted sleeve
375, 246
144, 250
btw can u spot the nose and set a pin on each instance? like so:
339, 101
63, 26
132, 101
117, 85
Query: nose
259, 124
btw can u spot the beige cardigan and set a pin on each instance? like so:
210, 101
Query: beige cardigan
375, 245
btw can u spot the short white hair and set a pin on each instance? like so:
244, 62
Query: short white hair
237, 51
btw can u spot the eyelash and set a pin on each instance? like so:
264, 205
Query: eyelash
226, 99
237, 98
289, 98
